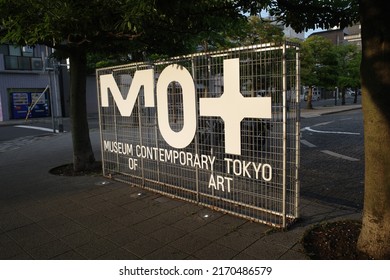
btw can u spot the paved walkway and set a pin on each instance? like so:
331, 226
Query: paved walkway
43, 216
318, 111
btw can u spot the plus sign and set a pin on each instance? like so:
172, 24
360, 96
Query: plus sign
233, 107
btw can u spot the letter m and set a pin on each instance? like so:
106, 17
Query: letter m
125, 105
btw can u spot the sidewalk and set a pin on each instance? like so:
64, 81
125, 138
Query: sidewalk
43, 216
318, 111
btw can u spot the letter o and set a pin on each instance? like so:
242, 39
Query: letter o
264, 172
180, 74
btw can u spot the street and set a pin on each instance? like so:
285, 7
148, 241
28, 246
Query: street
13, 132
332, 158
36, 127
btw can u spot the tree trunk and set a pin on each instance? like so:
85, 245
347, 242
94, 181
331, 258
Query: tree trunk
83, 157
343, 96
309, 104
374, 238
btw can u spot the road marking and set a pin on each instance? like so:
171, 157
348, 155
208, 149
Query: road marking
36, 128
324, 123
311, 116
329, 132
339, 155
307, 143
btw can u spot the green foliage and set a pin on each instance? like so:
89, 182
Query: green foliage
66, 25
256, 30
349, 58
131, 26
168, 27
244, 31
328, 66
319, 66
310, 14
96, 60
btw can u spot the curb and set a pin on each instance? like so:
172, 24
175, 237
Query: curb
327, 111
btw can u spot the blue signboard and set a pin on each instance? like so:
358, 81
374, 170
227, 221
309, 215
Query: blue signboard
21, 102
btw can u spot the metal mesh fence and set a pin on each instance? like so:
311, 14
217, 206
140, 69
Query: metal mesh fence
159, 132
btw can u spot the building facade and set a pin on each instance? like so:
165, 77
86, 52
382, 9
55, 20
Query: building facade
349, 35
25, 81
353, 35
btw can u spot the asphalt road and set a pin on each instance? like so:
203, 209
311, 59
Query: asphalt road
8, 133
36, 127
332, 158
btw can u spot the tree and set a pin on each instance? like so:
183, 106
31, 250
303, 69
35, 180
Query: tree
308, 78
375, 70
354, 70
250, 30
256, 31
76, 28
73, 29
349, 58
318, 65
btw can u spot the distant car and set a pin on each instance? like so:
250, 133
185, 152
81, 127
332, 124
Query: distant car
349, 92
316, 95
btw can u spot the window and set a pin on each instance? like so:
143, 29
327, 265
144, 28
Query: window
15, 50
24, 63
11, 62
4, 49
36, 63
20, 58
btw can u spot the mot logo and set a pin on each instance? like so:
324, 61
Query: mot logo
232, 106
